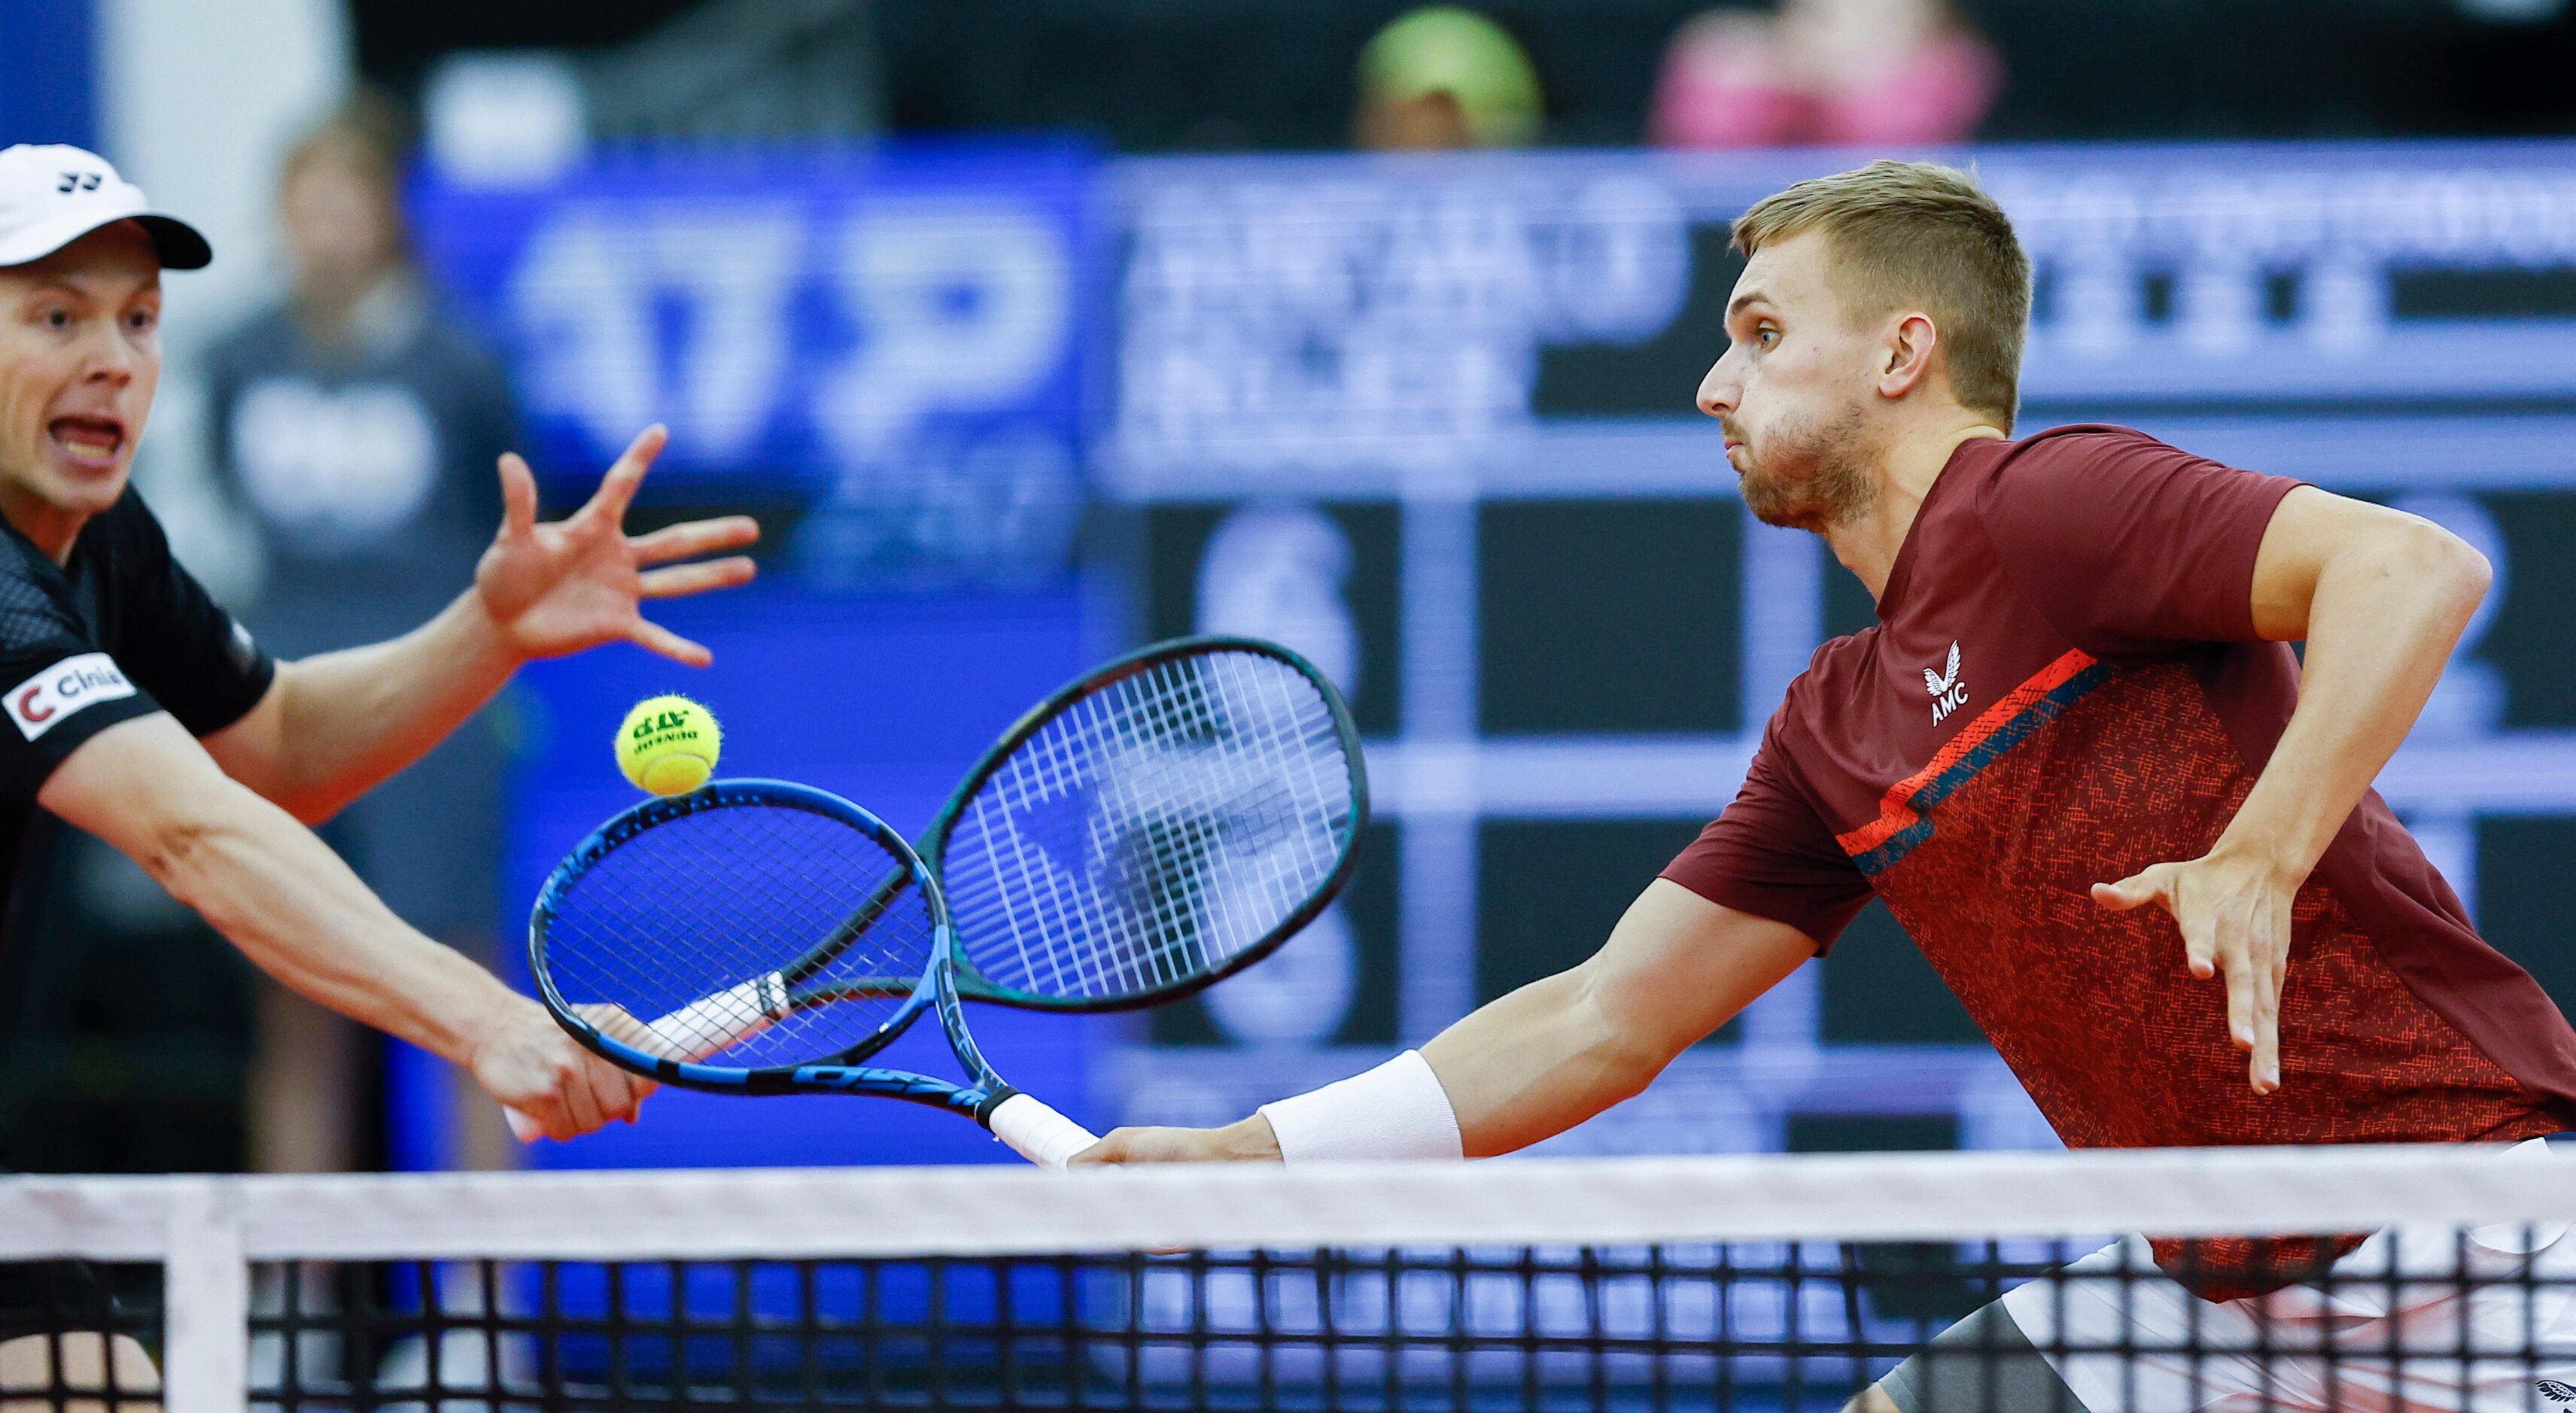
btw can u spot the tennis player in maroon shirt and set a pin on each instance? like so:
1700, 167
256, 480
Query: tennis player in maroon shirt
2081, 764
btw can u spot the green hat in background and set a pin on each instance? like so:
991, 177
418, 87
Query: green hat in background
1443, 48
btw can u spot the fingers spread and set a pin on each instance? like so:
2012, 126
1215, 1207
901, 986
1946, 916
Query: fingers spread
2135, 891
653, 637
2200, 951
617, 488
695, 537
518, 495
2266, 1070
681, 579
2243, 999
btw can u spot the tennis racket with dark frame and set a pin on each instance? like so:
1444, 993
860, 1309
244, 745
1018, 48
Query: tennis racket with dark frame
1149, 829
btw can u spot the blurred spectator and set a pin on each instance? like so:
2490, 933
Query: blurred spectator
1850, 72
1440, 78
356, 425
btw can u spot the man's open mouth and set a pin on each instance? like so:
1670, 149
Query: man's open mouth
93, 441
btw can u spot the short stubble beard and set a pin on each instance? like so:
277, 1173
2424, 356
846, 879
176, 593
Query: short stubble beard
1811, 478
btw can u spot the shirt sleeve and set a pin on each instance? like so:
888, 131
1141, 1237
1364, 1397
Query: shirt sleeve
58, 687
2129, 545
178, 643
1770, 854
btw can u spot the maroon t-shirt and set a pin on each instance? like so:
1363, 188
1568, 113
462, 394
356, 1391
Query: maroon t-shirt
2064, 687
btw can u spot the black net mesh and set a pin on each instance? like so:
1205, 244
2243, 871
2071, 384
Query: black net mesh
2483, 1323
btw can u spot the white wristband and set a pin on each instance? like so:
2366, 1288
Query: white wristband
1397, 1110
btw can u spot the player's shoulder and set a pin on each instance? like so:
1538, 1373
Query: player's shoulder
2073, 447
1832, 671
2062, 470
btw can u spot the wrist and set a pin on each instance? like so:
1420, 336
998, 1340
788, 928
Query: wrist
475, 1016
1249, 1139
1399, 1110
481, 633
2264, 856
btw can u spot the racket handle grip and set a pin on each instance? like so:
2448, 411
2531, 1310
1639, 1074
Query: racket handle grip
699, 1029
719, 1022
1038, 1133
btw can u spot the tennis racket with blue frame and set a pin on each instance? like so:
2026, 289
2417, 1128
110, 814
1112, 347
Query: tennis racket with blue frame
1153, 827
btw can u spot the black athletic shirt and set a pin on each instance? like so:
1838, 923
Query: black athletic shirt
120, 632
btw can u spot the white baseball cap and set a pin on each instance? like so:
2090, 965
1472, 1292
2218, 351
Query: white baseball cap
53, 195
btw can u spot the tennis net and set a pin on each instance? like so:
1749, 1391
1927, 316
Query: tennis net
1758, 1283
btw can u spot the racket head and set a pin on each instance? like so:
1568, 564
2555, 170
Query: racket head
1153, 827
704, 904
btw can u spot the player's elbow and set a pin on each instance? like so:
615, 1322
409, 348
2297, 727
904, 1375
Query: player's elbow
2449, 568
178, 850
1625, 1049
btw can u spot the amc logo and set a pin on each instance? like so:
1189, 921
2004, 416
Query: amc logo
42, 701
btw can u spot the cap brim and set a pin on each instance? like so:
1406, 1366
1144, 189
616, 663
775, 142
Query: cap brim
177, 243
181, 247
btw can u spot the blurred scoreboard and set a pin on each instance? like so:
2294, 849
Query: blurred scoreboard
1432, 422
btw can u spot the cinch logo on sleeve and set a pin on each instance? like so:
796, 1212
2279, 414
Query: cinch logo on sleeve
1948, 692
64, 688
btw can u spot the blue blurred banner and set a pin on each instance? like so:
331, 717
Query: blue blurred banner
48, 84
889, 342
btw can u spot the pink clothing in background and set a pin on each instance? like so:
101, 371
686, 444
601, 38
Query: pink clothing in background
1735, 84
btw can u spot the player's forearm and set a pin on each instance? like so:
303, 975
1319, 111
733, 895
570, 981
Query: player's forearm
349, 719
1519, 1069
298, 913
1539, 1061
2380, 630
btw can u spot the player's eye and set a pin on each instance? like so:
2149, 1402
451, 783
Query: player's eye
141, 321
1766, 336
55, 318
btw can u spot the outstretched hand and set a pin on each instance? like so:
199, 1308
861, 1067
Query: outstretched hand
2235, 919
1244, 1141
576, 583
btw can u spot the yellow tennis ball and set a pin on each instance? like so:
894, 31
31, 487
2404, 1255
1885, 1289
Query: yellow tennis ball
668, 745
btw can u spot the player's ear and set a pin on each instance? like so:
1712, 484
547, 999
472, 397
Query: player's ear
1907, 354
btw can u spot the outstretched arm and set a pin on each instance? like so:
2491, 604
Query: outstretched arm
289, 903
2381, 597
1558, 1051
335, 725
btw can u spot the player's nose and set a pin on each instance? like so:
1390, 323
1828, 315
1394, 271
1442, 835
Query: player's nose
1719, 390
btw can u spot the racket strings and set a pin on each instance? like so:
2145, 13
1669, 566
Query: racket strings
1153, 829
687, 926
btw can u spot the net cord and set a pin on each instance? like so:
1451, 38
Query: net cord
1009, 1210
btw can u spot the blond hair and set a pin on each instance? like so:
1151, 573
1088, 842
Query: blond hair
1917, 235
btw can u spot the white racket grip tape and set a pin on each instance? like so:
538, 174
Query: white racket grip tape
1038, 1133
727, 1018
699, 1029
1398, 1110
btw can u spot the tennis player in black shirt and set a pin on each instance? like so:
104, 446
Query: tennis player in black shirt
137, 710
